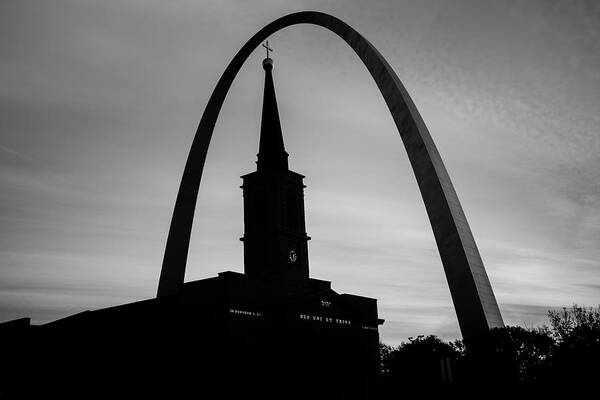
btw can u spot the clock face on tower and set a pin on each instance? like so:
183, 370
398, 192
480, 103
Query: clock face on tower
293, 256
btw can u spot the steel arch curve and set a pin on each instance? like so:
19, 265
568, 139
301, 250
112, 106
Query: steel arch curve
470, 288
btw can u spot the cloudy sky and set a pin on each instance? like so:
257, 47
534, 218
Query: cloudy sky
99, 102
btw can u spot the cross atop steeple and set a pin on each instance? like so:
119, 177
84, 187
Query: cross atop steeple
266, 46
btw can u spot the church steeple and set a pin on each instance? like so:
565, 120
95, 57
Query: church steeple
275, 240
271, 153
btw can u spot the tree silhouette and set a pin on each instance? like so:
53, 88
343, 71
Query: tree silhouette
576, 332
524, 355
424, 361
565, 350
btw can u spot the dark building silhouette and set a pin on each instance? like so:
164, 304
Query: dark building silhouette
271, 332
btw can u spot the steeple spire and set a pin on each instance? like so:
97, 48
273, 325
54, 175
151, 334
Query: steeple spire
271, 153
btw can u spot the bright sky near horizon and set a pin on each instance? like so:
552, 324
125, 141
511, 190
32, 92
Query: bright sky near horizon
99, 102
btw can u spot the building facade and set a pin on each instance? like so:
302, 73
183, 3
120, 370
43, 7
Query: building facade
270, 332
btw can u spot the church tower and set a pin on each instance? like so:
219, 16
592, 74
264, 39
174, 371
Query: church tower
275, 240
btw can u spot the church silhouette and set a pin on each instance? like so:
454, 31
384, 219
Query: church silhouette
270, 332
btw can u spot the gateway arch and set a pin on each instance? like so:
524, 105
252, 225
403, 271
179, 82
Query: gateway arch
472, 295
